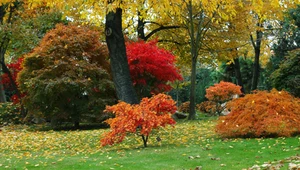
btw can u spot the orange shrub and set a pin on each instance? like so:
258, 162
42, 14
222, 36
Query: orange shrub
184, 107
263, 114
151, 113
209, 107
222, 92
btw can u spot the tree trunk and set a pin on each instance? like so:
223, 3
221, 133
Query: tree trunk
76, 125
194, 54
2, 93
141, 28
118, 59
145, 140
238, 75
192, 114
256, 46
15, 87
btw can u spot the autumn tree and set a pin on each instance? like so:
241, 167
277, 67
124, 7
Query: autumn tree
265, 14
200, 18
151, 68
151, 113
287, 41
113, 11
8, 10
21, 30
262, 114
67, 76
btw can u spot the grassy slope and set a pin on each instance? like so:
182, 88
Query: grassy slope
188, 145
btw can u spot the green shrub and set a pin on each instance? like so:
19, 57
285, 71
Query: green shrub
287, 76
9, 113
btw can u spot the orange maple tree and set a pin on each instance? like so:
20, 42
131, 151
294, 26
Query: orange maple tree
142, 118
262, 114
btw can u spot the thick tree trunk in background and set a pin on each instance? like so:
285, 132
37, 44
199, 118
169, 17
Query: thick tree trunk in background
195, 46
256, 46
2, 93
192, 114
238, 75
118, 59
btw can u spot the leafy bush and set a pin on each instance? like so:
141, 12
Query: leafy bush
185, 107
9, 113
151, 68
151, 113
263, 114
287, 76
209, 107
67, 76
222, 92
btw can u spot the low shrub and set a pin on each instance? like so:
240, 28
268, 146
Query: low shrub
208, 107
9, 113
184, 107
222, 93
262, 114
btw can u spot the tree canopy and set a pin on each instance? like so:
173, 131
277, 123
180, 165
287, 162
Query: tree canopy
67, 76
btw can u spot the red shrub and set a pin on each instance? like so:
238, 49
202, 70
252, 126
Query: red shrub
151, 68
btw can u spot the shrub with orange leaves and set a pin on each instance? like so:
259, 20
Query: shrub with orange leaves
142, 118
262, 114
209, 107
222, 92
184, 107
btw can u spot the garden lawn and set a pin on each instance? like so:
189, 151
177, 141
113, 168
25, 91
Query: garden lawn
188, 145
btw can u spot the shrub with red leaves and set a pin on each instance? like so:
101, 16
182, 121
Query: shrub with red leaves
15, 68
151, 68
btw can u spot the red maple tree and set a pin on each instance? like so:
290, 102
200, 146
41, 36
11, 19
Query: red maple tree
151, 67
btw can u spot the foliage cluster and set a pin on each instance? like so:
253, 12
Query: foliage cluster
287, 76
262, 114
151, 67
151, 113
9, 113
67, 76
184, 107
222, 91
208, 107
15, 68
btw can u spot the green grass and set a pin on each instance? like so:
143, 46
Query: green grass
188, 145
